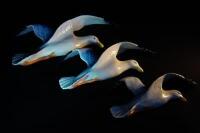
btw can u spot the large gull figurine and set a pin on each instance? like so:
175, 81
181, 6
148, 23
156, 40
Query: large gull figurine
62, 42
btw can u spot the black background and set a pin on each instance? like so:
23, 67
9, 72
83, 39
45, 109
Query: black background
31, 97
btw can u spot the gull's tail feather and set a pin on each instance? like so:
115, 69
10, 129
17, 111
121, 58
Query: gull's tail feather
65, 82
118, 112
17, 58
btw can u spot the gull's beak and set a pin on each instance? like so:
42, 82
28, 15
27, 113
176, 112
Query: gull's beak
139, 68
182, 98
100, 44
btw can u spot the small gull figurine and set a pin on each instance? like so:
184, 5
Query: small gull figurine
154, 97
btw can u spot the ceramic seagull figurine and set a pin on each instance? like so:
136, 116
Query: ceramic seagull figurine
107, 66
62, 42
154, 97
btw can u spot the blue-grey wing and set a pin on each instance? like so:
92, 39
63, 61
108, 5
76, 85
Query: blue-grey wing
86, 54
41, 31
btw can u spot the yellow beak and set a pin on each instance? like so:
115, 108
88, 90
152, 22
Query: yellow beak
183, 99
100, 44
139, 68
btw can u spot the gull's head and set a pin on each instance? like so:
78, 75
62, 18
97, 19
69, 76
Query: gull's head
95, 40
135, 65
175, 94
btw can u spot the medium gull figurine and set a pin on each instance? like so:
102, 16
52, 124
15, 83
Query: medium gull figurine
107, 66
154, 97
62, 42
